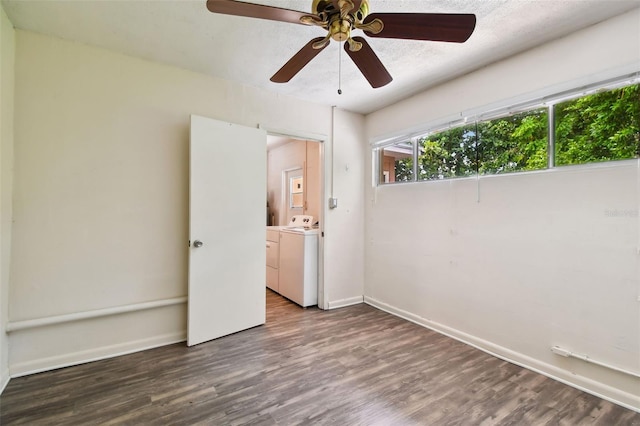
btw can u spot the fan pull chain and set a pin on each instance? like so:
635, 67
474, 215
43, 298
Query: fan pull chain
340, 69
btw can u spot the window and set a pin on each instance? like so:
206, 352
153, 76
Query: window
451, 153
514, 143
506, 144
600, 127
396, 163
296, 196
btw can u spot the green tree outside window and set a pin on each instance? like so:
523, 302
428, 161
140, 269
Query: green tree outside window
599, 127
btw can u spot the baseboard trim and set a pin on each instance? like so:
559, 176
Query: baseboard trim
97, 354
4, 380
601, 390
346, 302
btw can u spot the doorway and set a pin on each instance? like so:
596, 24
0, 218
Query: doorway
294, 179
295, 186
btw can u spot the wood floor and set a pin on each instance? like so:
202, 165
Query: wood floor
351, 366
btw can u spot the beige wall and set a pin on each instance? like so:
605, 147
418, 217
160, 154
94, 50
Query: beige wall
101, 186
285, 157
515, 264
7, 50
313, 180
295, 154
389, 166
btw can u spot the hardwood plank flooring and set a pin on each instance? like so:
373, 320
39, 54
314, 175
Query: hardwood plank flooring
351, 366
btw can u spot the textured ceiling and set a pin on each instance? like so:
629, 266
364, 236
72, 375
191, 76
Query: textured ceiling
185, 34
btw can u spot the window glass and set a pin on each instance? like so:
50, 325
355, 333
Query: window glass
396, 163
514, 143
599, 127
451, 153
603, 126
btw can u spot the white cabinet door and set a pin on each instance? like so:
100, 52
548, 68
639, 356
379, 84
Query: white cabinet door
226, 229
273, 261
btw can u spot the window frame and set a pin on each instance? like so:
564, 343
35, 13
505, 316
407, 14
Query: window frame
488, 113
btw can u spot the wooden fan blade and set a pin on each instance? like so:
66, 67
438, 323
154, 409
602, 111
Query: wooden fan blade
298, 61
251, 10
452, 27
369, 64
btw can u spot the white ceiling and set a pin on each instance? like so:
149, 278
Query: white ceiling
184, 33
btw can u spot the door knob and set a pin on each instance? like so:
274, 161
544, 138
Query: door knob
198, 243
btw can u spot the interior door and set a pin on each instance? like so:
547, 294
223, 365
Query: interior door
226, 229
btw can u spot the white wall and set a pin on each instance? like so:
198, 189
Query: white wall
100, 196
7, 50
344, 247
519, 263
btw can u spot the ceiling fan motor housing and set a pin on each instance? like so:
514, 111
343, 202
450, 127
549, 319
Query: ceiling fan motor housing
340, 27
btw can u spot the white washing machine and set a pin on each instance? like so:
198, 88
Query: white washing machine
273, 248
298, 269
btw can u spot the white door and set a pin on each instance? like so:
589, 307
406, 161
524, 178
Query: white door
226, 229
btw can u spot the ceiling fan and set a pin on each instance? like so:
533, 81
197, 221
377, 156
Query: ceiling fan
340, 18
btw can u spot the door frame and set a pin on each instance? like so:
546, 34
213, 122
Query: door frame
323, 299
